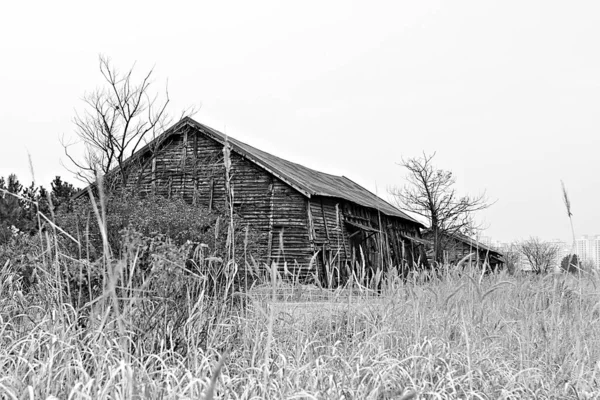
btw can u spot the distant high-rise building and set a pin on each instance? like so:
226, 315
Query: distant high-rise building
564, 249
588, 249
583, 248
596, 247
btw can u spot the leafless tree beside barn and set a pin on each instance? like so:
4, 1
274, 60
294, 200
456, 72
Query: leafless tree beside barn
430, 193
118, 119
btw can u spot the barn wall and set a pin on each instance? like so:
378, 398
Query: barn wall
291, 227
390, 241
342, 231
455, 250
191, 165
459, 249
290, 223
328, 224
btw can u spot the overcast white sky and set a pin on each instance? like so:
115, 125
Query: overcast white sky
506, 92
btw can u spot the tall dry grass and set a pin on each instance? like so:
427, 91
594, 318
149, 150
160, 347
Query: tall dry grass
159, 330
459, 335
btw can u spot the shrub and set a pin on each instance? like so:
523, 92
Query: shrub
20, 254
155, 215
153, 233
570, 263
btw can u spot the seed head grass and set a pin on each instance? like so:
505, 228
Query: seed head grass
460, 335
117, 329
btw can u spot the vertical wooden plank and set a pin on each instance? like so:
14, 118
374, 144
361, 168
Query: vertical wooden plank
338, 233
397, 243
342, 230
195, 194
183, 162
211, 189
404, 258
387, 249
325, 223
382, 242
195, 169
153, 179
311, 226
271, 207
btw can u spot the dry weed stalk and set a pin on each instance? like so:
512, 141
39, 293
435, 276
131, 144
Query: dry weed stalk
567, 203
455, 334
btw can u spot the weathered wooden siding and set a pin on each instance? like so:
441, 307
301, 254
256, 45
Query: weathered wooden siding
292, 227
345, 232
328, 223
328, 231
290, 224
191, 165
456, 250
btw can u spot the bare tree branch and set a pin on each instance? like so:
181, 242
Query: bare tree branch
540, 255
118, 120
430, 193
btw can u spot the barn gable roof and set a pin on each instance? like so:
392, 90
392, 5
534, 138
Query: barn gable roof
307, 181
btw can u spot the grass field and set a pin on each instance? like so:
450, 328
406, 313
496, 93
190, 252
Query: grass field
462, 335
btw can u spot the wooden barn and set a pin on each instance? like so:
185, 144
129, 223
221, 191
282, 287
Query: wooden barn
298, 212
458, 246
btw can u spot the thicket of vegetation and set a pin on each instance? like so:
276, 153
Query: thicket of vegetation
19, 205
127, 297
145, 314
154, 218
161, 331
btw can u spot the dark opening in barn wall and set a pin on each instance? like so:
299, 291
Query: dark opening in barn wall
365, 244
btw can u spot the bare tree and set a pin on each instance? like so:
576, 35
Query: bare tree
540, 255
512, 256
119, 118
430, 193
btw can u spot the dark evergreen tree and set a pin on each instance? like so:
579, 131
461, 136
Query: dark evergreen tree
42, 199
33, 201
14, 186
19, 206
10, 206
62, 192
570, 263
